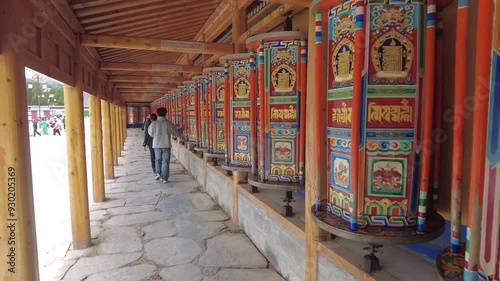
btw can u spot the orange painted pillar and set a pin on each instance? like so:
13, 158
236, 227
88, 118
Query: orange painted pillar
430, 46
458, 123
479, 143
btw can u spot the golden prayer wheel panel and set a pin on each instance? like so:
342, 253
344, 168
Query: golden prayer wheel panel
202, 111
217, 141
238, 151
281, 75
190, 92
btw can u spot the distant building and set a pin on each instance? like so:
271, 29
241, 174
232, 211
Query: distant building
47, 111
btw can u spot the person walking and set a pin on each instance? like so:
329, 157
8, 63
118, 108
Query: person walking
148, 139
45, 130
35, 128
57, 127
161, 131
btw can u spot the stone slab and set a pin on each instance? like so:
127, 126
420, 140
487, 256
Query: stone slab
134, 219
160, 229
185, 272
120, 240
172, 251
199, 230
98, 215
88, 266
142, 201
130, 210
249, 274
232, 250
132, 273
189, 202
213, 215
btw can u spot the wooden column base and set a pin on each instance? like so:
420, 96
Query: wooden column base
238, 178
190, 146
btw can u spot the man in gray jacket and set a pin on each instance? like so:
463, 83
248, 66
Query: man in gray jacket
161, 130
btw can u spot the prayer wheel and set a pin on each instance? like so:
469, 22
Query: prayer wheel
377, 76
132, 116
174, 100
237, 101
144, 113
201, 120
178, 107
183, 112
190, 93
216, 138
281, 68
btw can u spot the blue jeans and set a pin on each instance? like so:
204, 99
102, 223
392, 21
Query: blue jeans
163, 162
153, 158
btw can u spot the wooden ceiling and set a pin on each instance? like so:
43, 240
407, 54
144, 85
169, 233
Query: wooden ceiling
137, 40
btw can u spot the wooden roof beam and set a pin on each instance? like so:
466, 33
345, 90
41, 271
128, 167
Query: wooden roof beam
268, 23
296, 3
243, 4
81, 4
140, 86
152, 44
149, 67
145, 90
133, 19
69, 17
216, 24
145, 79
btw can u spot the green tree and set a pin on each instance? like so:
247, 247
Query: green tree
49, 95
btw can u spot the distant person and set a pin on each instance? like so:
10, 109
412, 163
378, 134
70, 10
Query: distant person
57, 127
64, 122
45, 129
148, 139
161, 130
35, 128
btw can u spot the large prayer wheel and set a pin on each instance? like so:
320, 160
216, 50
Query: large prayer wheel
174, 100
144, 113
281, 77
190, 93
238, 103
178, 106
184, 111
132, 116
202, 112
217, 142
375, 119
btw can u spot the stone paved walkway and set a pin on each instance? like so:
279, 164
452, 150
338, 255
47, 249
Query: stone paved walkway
148, 230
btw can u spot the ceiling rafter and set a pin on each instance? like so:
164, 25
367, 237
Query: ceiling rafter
138, 43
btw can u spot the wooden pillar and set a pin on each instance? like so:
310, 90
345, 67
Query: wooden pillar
205, 159
315, 168
239, 27
77, 169
118, 131
122, 128
113, 127
116, 147
18, 250
238, 177
96, 143
109, 171
124, 124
